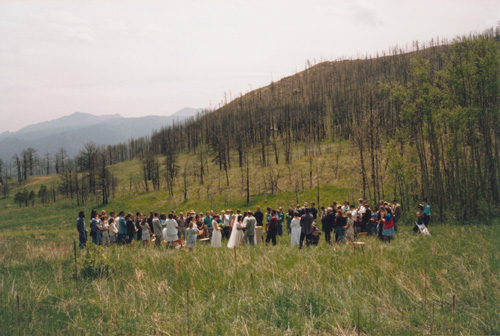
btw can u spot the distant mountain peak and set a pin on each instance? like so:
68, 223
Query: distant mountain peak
78, 128
84, 114
187, 112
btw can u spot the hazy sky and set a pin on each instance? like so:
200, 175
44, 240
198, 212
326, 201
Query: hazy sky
157, 56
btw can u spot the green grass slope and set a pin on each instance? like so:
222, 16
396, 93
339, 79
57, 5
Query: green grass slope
402, 288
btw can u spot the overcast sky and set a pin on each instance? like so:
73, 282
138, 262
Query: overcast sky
157, 56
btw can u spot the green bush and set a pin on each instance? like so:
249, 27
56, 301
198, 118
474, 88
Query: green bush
94, 263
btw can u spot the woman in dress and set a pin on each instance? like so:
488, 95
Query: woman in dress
217, 234
349, 228
237, 233
388, 221
113, 229
202, 229
295, 226
145, 231
191, 233
104, 226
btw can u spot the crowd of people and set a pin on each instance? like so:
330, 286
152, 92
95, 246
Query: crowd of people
345, 221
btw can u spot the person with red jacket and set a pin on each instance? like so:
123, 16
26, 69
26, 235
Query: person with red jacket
272, 228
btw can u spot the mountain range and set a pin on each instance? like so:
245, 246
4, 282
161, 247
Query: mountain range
77, 129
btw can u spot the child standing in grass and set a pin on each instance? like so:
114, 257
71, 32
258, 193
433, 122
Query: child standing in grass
192, 232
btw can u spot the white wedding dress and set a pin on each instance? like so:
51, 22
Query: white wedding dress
236, 236
216, 236
295, 225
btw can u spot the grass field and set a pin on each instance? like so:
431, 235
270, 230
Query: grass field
402, 288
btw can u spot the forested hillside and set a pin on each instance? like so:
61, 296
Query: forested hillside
419, 123
425, 123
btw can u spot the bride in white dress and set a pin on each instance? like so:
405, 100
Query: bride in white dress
216, 235
236, 233
295, 225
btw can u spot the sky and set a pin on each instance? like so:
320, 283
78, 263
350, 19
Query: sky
155, 57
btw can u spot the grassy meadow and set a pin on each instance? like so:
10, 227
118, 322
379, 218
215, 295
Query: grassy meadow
402, 288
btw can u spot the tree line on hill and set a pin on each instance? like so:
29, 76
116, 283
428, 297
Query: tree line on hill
424, 123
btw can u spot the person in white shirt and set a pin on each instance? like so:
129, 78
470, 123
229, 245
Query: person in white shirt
172, 229
354, 212
361, 208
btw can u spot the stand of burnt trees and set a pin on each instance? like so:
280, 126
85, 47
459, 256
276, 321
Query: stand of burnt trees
450, 127
423, 122
87, 176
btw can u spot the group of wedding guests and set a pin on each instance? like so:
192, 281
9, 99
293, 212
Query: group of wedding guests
348, 220
345, 221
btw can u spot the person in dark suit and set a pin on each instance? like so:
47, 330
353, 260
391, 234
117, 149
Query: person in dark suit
313, 210
129, 222
259, 217
82, 230
328, 225
272, 228
306, 230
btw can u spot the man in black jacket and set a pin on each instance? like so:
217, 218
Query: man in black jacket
259, 216
306, 228
313, 210
328, 224
367, 216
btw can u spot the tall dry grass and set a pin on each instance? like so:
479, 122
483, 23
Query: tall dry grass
402, 288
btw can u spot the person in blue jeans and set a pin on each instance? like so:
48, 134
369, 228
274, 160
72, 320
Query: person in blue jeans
82, 230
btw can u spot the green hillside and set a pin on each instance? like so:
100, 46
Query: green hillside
402, 288
332, 172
